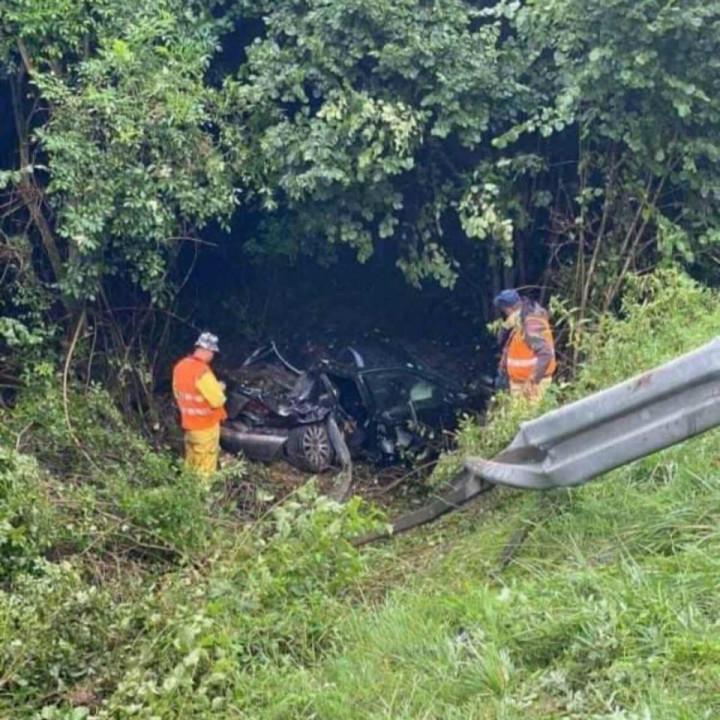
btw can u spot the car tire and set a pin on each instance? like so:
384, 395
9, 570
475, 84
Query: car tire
309, 447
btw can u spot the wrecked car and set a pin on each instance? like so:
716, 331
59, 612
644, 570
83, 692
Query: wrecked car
372, 403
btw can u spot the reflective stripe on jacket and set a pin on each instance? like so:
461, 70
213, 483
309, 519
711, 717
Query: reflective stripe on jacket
521, 360
196, 413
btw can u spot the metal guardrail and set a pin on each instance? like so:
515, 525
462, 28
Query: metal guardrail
585, 439
576, 443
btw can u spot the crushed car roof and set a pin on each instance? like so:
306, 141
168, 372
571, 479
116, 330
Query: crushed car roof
368, 356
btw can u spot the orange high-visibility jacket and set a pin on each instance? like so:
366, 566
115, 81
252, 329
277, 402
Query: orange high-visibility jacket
521, 359
196, 413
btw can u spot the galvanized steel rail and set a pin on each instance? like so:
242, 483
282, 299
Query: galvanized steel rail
578, 442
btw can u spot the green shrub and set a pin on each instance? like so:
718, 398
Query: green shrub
269, 603
85, 436
27, 520
55, 633
115, 491
664, 314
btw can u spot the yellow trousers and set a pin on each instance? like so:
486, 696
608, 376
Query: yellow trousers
518, 390
202, 450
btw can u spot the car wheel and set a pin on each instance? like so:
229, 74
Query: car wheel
309, 448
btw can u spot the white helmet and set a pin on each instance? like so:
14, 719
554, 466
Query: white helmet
208, 341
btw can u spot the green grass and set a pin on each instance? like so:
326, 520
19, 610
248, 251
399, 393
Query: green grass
609, 607
608, 610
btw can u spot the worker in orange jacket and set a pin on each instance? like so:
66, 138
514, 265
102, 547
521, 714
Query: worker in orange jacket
201, 399
528, 348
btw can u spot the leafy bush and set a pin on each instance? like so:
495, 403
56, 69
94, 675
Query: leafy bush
663, 315
73, 437
268, 603
94, 627
27, 520
115, 491
55, 633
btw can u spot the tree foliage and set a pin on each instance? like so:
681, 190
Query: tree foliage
631, 81
368, 122
128, 133
117, 165
526, 122
563, 143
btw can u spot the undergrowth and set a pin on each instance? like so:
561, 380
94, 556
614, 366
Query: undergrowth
128, 592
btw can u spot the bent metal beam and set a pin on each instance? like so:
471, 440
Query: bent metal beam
578, 442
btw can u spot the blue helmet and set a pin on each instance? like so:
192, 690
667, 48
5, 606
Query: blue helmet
507, 299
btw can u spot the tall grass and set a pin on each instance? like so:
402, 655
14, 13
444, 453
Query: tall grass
609, 609
606, 607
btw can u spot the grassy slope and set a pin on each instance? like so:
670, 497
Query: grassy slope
609, 609
126, 593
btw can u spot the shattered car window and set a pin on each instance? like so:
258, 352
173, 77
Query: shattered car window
395, 390
388, 389
423, 391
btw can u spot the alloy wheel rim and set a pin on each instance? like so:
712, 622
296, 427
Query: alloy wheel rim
316, 446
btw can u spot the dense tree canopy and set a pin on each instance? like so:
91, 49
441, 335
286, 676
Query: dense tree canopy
562, 143
597, 123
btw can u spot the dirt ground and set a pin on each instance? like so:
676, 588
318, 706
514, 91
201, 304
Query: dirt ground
263, 485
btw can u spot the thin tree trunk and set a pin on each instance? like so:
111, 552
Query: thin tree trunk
631, 243
31, 194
